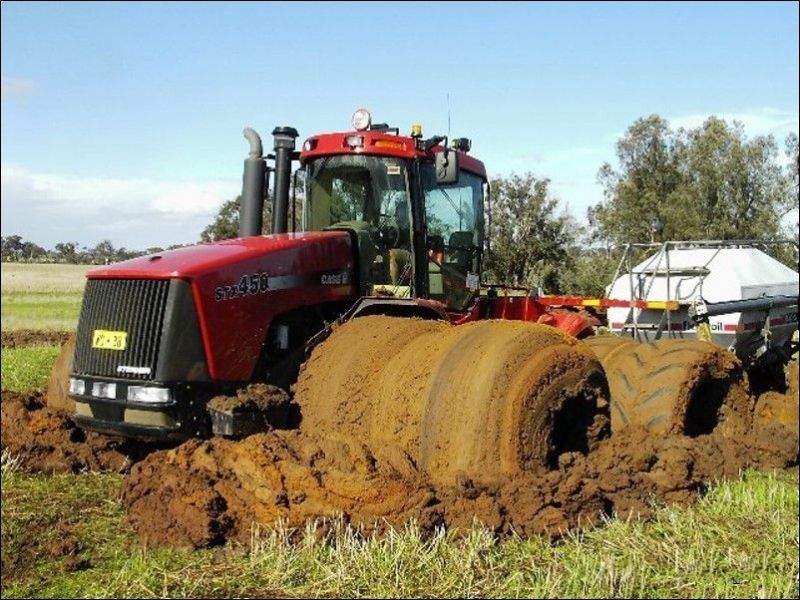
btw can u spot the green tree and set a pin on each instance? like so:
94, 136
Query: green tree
66, 252
709, 182
12, 247
530, 233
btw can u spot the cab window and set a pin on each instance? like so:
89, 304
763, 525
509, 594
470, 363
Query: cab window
454, 215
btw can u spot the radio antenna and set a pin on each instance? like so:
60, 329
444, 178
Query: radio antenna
448, 115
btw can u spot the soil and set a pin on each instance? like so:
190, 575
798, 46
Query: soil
254, 397
487, 400
407, 419
206, 492
676, 386
46, 440
404, 419
30, 337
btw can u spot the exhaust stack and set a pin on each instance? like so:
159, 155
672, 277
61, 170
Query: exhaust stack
251, 220
284, 149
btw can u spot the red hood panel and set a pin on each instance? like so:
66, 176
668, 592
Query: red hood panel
192, 261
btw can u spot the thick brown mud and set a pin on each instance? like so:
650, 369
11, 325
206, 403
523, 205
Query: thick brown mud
486, 400
204, 493
506, 423
32, 337
45, 440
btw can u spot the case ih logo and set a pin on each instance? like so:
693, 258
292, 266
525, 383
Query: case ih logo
341, 278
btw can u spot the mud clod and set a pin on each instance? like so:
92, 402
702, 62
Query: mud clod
45, 440
506, 423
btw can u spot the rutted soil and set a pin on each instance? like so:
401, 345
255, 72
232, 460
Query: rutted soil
204, 493
31, 337
403, 419
45, 440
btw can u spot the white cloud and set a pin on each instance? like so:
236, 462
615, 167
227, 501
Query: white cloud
16, 88
137, 213
759, 121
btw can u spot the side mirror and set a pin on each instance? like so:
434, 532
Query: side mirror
446, 165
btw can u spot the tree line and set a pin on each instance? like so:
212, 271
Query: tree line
709, 182
17, 249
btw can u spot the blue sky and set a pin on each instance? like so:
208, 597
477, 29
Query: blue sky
124, 121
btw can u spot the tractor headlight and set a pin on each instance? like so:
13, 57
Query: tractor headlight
150, 395
77, 387
361, 119
102, 389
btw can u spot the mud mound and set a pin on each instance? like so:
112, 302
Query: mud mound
677, 386
203, 493
776, 422
45, 440
31, 337
58, 383
500, 421
486, 400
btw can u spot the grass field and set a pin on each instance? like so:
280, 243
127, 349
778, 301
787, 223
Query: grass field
41, 296
66, 536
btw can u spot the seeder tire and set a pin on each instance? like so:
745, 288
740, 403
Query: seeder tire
677, 386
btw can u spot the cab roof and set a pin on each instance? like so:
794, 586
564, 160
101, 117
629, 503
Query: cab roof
378, 143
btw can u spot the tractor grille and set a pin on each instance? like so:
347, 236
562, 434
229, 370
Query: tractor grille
135, 306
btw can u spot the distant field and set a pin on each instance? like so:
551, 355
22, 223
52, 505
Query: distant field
41, 296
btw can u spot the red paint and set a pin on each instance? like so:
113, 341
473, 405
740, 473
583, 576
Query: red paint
329, 144
234, 330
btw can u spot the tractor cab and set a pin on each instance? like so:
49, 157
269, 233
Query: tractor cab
413, 207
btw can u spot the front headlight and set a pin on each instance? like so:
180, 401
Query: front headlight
150, 395
77, 387
102, 389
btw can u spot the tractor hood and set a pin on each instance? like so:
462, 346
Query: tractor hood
194, 261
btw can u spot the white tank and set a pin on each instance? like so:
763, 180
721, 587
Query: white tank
716, 274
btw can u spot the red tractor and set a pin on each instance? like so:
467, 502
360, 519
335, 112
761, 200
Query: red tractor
390, 224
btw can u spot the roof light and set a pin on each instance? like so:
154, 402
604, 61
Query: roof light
416, 130
354, 141
361, 119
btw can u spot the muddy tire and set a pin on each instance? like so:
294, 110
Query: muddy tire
677, 386
58, 384
603, 345
480, 400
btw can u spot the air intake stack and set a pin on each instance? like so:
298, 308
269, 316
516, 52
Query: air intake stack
251, 220
284, 138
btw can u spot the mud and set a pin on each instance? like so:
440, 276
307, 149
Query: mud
31, 337
676, 386
413, 420
507, 423
205, 493
254, 397
487, 400
45, 440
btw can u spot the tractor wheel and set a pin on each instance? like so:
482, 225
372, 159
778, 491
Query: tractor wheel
479, 400
677, 386
603, 345
58, 384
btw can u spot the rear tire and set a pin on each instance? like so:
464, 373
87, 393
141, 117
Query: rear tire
677, 386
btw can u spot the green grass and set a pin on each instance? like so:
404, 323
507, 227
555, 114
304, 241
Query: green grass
27, 368
41, 296
739, 541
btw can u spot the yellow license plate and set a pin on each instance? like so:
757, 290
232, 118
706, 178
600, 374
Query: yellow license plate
109, 340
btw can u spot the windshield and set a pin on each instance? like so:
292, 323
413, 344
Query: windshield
355, 188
